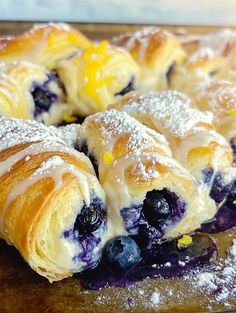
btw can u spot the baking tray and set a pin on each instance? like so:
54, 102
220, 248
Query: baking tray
22, 290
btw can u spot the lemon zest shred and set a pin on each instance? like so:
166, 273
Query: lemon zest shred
233, 112
96, 57
68, 118
184, 241
108, 157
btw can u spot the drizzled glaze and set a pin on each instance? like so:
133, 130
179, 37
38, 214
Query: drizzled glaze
220, 98
185, 127
140, 162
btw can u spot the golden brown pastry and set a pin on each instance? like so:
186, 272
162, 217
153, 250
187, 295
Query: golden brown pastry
30, 91
52, 207
200, 68
44, 44
191, 134
156, 51
98, 76
219, 97
137, 172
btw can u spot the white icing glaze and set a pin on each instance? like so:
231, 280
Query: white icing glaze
171, 110
121, 193
171, 113
54, 168
41, 139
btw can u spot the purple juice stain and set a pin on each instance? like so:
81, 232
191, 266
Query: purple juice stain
162, 260
43, 96
88, 241
225, 218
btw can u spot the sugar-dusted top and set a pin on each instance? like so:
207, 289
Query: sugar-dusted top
220, 95
115, 123
17, 131
170, 108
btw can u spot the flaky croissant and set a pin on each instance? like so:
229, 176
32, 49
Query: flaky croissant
137, 172
52, 207
44, 44
30, 91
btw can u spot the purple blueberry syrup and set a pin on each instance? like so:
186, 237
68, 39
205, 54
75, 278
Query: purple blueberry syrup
225, 218
87, 231
42, 95
163, 260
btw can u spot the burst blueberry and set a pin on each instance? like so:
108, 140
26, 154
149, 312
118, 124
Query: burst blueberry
42, 98
156, 207
219, 190
89, 219
121, 253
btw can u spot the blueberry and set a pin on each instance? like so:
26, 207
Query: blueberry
155, 207
127, 88
121, 253
42, 98
207, 174
219, 190
90, 218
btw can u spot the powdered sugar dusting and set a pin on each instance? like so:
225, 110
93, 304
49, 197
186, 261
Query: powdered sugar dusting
220, 280
117, 123
210, 288
15, 132
171, 109
68, 133
221, 96
142, 37
45, 167
203, 53
155, 298
218, 40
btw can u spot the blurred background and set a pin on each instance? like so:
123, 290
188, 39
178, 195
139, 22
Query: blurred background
206, 12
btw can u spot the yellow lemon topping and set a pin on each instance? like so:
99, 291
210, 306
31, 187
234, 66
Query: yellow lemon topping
96, 57
186, 240
69, 119
233, 112
108, 157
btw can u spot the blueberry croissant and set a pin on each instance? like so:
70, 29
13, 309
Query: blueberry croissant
52, 207
157, 51
146, 189
219, 97
193, 139
44, 44
97, 76
30, 91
